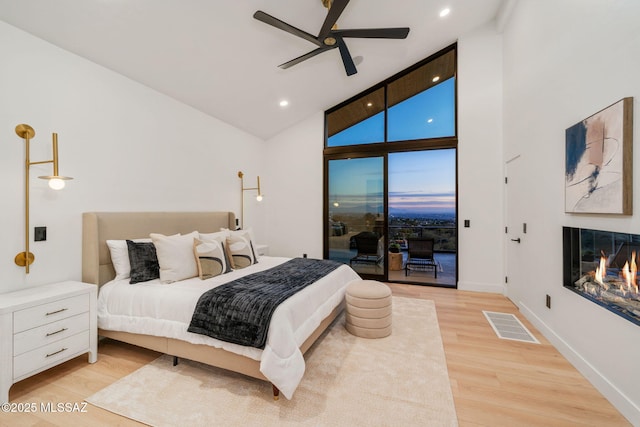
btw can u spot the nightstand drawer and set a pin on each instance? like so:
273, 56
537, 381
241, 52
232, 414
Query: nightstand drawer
50, 312
50, 354
46, 334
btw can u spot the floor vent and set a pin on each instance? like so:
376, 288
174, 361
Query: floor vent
508, 327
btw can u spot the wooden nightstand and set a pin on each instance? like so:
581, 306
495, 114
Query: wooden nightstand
44, 326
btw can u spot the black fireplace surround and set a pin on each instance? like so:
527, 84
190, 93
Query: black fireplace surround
586, 251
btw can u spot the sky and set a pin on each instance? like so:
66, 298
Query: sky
422, 181
419, 182
429, 114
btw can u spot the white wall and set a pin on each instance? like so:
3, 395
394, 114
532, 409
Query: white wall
128, 148
564, 61
294, 164
480, 177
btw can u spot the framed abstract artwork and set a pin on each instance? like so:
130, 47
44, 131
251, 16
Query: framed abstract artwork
598, 162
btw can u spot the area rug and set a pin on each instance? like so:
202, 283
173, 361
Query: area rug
400, 380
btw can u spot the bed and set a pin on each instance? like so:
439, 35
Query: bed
296, 323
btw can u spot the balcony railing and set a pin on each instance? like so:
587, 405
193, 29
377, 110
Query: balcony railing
343, 229
443, 235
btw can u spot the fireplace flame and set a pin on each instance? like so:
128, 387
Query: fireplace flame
630, 273
627, 285
601, 272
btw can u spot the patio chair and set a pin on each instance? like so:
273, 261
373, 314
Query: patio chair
420, 256
369, 248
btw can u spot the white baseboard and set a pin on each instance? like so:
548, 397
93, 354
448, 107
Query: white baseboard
482, 287
618, 399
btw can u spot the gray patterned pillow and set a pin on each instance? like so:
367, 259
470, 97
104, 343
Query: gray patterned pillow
144, 262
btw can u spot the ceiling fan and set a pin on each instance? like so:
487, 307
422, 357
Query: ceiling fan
330, 36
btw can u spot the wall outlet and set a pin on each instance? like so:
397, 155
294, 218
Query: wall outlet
467, 223
548, 303
39, 234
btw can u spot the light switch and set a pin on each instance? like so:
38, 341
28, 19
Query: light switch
40, 234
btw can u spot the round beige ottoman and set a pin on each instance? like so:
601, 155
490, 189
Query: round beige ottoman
368, 309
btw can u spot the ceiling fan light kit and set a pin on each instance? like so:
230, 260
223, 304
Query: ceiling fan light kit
330, 37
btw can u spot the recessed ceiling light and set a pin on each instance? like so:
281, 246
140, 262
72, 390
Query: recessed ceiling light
435, 79
369, 104
284, 103
444, 12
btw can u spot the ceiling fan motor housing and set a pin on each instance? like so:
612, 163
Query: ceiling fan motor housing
329, 41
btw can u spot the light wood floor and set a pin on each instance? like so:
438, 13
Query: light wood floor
494, 382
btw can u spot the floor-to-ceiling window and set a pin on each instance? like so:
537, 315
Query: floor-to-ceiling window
390, 177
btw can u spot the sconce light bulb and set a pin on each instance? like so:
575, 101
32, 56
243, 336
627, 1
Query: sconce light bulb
56, 183
259, 197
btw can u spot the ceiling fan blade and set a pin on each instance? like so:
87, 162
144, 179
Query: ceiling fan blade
275, 22
335, 11
304, 57
374, 33
347, 60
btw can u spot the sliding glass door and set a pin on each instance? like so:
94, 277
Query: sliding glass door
356, 220
422, 217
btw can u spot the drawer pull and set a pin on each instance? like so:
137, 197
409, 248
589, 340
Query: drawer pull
56, 332
57, 311
56, 352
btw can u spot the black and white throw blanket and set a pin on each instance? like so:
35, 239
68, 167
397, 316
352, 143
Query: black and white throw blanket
240, 311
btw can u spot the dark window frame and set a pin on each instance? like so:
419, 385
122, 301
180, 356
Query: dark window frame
387, 147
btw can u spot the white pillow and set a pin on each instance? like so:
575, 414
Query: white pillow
247, 233
175, 256
120, 257
220, 236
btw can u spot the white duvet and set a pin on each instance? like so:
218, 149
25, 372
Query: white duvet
153, 308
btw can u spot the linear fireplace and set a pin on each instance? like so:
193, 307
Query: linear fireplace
602, 267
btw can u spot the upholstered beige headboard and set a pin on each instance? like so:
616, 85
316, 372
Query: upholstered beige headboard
98, 227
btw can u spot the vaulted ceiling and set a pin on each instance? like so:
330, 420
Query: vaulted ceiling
213, 56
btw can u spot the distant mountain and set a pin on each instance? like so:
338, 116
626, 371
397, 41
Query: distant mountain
447, 213
427, 213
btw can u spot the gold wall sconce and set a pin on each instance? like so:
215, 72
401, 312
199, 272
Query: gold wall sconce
56, 182
258, 197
